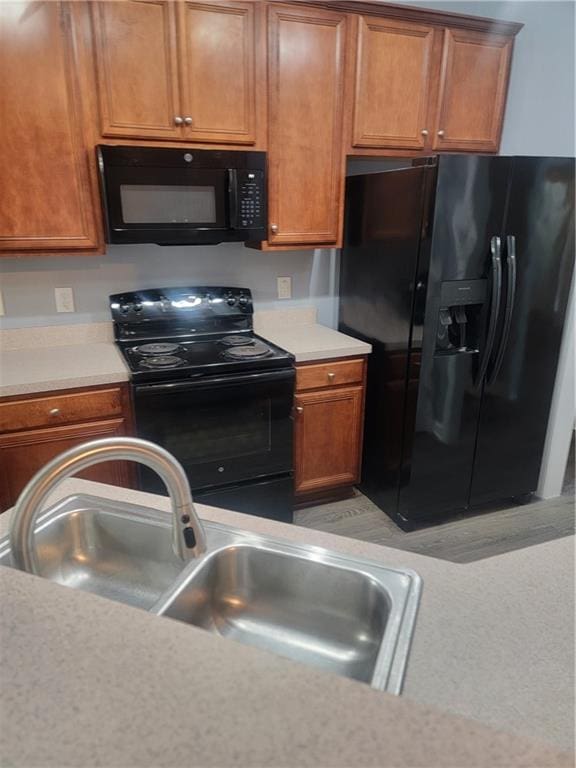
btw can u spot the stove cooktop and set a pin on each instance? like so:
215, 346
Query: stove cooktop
181, 358
178, 333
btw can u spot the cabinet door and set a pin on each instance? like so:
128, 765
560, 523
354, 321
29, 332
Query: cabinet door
137, 68
47, 193
327, 435
217, 62
306, 157
473, 85
393, 77
22, 454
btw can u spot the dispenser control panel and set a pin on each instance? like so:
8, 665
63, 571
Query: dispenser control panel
459, 316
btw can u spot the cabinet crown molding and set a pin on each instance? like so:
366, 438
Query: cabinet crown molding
422, 15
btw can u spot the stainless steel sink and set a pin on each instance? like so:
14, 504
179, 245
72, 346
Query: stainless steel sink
344, 615
103, 547
341, 614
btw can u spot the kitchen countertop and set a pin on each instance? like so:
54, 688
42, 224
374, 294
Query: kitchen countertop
25, 371
297, 331
90, 682
64, 357
54, 357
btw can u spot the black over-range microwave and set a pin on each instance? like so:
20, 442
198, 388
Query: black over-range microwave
182, 196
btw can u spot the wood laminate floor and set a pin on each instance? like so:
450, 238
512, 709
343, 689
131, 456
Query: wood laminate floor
460, 540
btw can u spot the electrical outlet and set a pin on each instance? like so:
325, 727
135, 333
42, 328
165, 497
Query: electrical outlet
64, 299
284, 287
1, 304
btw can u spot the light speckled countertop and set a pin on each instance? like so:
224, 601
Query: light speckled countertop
27, 371
58, 357
297, 331
65, 357
90, 682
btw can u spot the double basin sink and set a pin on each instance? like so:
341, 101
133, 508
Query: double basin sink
345, 615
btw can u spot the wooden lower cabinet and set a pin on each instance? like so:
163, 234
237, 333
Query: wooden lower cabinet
328, 432
23, 451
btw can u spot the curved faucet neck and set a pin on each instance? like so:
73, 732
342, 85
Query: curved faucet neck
188, 539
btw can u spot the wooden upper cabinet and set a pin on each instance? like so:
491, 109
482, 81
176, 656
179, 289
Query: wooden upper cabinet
177, 71
473, 86
137, 67
394, 67
306, 156
48, 193
218, 51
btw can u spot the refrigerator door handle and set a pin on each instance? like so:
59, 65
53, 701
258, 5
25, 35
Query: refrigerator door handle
496, 269
510, 297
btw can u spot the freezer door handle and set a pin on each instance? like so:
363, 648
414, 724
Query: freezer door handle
496, 270
510, 297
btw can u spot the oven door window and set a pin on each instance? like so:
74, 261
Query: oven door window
157, 198
220, 434
230, 431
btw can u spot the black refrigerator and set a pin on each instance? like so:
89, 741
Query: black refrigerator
457, 270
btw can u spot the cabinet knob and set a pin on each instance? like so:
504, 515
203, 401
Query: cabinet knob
441, 133
424, 132
299, 409
187, 121
178, 120
331, 376
274, 228
54, 411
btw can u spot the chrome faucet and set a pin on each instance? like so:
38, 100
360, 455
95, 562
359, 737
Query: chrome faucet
188, 537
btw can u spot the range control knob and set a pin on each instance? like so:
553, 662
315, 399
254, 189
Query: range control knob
137, 307
125, 308
230, 300
243, 300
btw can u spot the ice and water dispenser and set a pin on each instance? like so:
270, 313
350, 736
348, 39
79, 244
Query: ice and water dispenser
459, 316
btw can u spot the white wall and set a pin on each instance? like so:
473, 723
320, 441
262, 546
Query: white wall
28, 284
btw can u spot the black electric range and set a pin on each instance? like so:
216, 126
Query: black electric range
211, 392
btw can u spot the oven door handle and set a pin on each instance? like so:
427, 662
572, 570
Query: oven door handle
217, 381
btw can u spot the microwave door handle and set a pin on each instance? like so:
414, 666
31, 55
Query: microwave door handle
233, 197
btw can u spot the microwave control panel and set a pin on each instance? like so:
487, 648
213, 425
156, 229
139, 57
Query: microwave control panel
250, 197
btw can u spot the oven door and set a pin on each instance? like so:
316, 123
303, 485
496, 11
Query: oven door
221, 429
167, 205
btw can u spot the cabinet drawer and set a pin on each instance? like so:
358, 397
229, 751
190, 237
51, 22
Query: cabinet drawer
329, 374
60, 409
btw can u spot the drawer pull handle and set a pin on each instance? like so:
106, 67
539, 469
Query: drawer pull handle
54, 411
299, 409
331, 376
